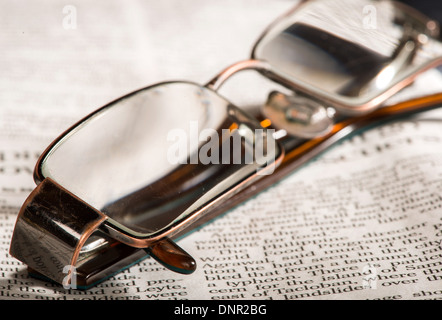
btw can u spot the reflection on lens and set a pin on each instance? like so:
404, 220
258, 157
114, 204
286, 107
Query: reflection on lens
344, 49
119, 159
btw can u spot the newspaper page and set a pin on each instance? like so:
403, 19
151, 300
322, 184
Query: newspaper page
363, 221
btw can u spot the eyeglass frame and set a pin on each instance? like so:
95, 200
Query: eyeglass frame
83, 226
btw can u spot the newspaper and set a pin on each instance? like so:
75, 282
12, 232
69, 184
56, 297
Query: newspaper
361, 222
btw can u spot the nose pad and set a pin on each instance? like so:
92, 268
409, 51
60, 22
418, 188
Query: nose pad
298, 115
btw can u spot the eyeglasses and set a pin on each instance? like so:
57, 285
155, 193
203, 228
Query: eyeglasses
153, 165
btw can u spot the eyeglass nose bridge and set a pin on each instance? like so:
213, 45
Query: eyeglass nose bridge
317, 117
51, 228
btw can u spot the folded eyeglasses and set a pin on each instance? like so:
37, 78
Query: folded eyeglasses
131, 177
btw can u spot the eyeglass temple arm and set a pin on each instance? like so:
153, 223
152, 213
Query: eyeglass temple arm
170, 255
